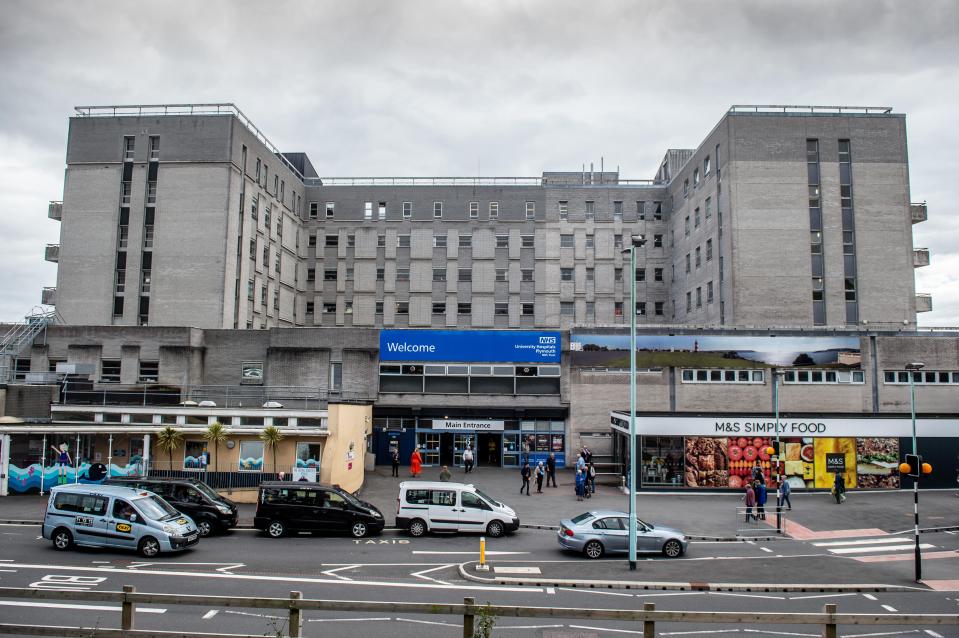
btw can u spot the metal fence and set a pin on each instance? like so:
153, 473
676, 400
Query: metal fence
223, 396
750, 521
225, 476
829, 619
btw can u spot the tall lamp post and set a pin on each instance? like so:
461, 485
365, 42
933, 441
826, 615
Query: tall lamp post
635, 241
779, 453
913, 368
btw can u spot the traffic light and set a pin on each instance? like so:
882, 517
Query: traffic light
913, 465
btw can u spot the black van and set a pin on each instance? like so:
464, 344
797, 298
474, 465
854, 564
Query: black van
210, 511
287, 506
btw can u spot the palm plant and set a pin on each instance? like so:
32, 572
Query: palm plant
271, 435
215, 434
168, 440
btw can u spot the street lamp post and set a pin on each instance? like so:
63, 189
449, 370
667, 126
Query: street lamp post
913, 368
635, 241
779, 475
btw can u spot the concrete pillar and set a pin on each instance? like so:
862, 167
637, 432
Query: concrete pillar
4, 463
146, 455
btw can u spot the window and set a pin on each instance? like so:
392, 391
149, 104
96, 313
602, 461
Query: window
276, 185
494, 210
501, 308
526, 241
263, 294
380, 274
640, 210
110, 371
657, 211
276, 299
817, 289
465, 274
530, 210
250, 288
590, 274
437, 210
368, 211
567, 309
381, 211
123, 237
402, 307
850, 288
266, 219
617, 210
349, 274
329, 308
563, 210
155, 149
309, 307
696, 217
251, 456
351, 241
282, 190
722, 376
709, 292
407, 210
474, 210
502, 241
696, 178
149, 372
618, 274
439, 308
439, 274
254, 203
465, 241
145, 280
315, 209
151, 192
617, 241
657, 241
699, 297
527, 309
590, 241
706, 166
687, 262
699, 257
658, 306
641, 308
686, 226
617, 308
848, 243
381, 241
336, 376
378, 308
402, 274
526, 274
502, 274
689, 301
332, 241
125, 188
566, 241
709, 250
657, 274
566, 274
329, 274
129, 143
121, 277
686, 187
402, 241
815, 242
464, 308
311, 274
708, 207
276, 262
439, 241
81, 503
640, 274
590, 209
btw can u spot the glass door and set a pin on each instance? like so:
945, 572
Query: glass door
460, 443
511, 450
429, 444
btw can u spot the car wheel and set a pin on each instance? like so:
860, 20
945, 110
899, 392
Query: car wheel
276, 529
149, 547
494, 529
593, 549
417, 528
62, 539
205, 528
359, 530
672, 549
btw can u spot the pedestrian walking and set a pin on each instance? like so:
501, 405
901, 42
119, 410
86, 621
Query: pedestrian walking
445, 474
540, 475
416, 462
395, 460
750, 499
551, 469
591, 478
761, 496
758, 475
784, 490
580, 484
525, 473
839, 488
468, 459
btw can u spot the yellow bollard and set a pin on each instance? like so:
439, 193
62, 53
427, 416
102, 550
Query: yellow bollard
482, 561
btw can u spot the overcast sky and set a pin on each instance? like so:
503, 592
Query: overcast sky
453, 88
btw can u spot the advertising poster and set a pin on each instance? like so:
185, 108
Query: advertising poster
827, 446
707, 462
877, 462
800, 460
707, 351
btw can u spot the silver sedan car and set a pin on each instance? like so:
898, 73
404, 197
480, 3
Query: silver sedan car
607, 531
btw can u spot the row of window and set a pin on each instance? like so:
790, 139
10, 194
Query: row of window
461, 370
707, 208
379, 212
922, 377
758, 376
189, 419
438, 308
699, 296
148, 371
698, 252
466, 274
129, 147
707, 166
723, 376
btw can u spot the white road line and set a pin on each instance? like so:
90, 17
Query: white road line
726, 593
26, 603
249, 613
869, 596
420, 574
550, 590
347, 619
890, 609
332, 572
883, 548
862, 541
210, 614
777, 633
428, 622
379, 564
12, 571
932, 633
514, 569
618, 631
673, 593
819, 596
766, 549
473, 553
594, 591
280, 579
502, 628
882, 633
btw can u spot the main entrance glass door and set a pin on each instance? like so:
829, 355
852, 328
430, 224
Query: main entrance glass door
429, 444
460, 443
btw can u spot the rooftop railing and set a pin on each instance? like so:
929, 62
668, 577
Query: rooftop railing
798, 108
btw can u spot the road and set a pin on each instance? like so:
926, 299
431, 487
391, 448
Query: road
394, 567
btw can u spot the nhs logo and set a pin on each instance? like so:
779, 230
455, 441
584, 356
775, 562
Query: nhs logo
547, 341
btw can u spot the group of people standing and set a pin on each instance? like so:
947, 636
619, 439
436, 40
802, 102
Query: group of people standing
542, 472
585, 474
757, 495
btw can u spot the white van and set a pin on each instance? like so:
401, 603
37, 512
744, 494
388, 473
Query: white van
424, 506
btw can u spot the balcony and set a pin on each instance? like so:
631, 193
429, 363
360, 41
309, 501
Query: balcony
923, 302
920, 257
48, 297
52, 253
920, 212
55, 211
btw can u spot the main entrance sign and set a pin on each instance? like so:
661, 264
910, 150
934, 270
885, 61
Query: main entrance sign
492, 346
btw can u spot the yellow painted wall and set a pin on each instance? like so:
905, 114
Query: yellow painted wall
349, 424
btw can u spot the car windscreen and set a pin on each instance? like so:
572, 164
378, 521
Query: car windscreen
490, 499
582, 518
155, 508
206, 490
641, 522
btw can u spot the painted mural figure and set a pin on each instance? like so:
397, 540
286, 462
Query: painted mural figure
63, 461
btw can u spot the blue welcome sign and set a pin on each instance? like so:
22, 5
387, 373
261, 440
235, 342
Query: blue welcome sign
488, 346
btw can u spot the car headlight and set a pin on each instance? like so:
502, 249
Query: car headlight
170, 529
376, 515
223, 509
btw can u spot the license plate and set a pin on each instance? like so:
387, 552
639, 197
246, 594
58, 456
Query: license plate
191, 538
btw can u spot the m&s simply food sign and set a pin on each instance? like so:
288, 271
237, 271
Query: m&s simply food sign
493, 346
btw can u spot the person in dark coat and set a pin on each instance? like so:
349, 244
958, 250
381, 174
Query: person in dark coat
525, 473
395, 460
839, 488
758, 474
750, 499
551, 469
761, 497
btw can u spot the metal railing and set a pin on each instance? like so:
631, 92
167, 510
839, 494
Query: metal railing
828, 619
249, 397
750, 521
222, 476
802, 108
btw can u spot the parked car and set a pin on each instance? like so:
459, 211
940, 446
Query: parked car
288, 506
115, 516
211, 512
424, 507
606, 531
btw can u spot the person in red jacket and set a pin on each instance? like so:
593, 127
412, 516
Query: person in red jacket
416, 463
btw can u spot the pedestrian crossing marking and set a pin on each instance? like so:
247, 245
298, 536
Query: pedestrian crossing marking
884, 548
863, 541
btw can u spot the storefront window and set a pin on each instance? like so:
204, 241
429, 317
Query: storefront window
662, 460
308, 454
511, 450
251, 456
193, 458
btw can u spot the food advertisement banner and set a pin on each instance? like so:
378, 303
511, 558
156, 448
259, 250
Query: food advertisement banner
589, 349
877, 462
826, 447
